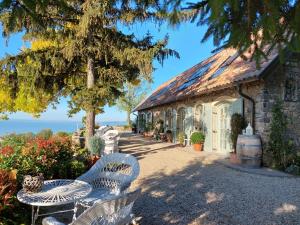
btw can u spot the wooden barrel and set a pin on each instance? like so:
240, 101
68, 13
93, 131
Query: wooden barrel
249, 150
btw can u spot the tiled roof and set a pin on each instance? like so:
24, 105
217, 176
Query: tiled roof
221, 70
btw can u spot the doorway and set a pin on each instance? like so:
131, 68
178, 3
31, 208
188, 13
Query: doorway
221, 128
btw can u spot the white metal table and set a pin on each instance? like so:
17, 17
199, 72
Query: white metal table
54, 193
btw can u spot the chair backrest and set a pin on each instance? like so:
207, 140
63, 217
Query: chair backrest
112, 134
116, 166
113, 211
102, 130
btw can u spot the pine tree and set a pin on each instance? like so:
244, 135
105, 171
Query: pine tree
78, 50
255, 25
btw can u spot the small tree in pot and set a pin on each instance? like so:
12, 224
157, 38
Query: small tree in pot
96, 147
197, 139
169, 136
181, 137
237, 124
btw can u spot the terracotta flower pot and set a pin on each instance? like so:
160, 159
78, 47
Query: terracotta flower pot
95, 159
198, 147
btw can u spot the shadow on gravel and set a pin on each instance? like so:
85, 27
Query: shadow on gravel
143, 152
180, 198
141, 147
196, 195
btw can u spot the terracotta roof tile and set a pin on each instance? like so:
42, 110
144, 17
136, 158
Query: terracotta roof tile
222, 69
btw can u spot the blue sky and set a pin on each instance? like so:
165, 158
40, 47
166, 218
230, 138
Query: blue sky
185, 39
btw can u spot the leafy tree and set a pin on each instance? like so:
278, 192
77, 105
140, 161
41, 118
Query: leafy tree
78, 49
279, 145
237, 124
134, 93
259, 25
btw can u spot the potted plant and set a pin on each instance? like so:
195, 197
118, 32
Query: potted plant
158, 131
181, 137
96, 147
197, 139
133, 128
169, 136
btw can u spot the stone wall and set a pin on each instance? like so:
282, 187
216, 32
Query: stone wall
274, 89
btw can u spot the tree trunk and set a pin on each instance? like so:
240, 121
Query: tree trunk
128, 119
90, 113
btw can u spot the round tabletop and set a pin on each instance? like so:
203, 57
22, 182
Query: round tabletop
56, 192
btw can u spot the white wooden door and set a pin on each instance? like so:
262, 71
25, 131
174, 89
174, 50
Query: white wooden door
188, 124
215, 130
224, 128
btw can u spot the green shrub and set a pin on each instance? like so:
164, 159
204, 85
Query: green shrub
26, 154
181, 137
149, 127
169, 135
133, 124
127, 127
16, 140
237, 124
280, 147
45, 134
76, 168
62, 134
96, 145
197, 138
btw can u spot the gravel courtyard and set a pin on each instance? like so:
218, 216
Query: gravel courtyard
184, 187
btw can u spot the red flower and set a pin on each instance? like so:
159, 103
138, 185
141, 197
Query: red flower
7, 151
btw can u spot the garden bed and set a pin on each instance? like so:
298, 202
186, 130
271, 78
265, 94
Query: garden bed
52, 155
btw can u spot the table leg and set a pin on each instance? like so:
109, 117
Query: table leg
32, 215
36, 214
75, 211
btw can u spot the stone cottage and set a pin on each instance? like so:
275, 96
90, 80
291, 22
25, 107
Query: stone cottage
205, 96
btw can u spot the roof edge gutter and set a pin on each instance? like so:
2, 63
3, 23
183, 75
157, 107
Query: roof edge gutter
200, 93
253, 105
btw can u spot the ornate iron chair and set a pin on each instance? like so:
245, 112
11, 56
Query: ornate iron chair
111, 212
109, 176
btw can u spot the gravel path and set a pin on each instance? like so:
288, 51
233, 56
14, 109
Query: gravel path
184, 187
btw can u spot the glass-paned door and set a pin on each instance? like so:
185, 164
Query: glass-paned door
224, 128
174, 126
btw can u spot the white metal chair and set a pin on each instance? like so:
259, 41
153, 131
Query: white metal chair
111, 139
111, 212
109, 176
102, 130
112, 134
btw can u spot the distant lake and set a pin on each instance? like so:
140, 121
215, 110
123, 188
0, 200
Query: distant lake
23, 126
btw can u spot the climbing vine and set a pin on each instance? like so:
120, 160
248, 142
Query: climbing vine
279, 145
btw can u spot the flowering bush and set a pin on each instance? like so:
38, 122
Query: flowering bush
28, 154
8, 186
7, 151
48, 156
